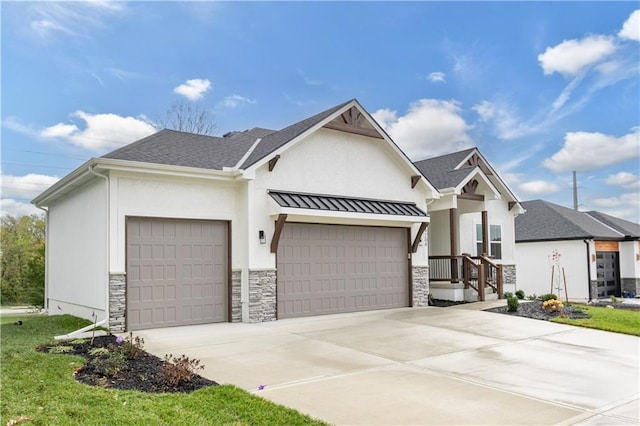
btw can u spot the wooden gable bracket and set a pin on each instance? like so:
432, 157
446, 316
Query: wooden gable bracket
414, 180
272, 162
475, 160
512, 204
276, 233
351, 121
416, 241
469, 191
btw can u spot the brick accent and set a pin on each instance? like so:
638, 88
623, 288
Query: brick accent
509, 275
236, 295
420, 286
262, 295
117, 302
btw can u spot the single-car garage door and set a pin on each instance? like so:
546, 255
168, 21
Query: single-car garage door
176, 272
326, 269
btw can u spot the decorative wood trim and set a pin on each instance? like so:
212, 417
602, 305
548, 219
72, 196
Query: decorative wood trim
276, 233
350, 129
512, 204
272, 162
607, 246
416, 241
476, 160
474, 197
470, 187
414, 180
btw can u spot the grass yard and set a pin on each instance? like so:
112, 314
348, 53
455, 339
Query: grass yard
616, 320
40, 388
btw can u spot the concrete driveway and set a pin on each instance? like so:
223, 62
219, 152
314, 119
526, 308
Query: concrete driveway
455, 365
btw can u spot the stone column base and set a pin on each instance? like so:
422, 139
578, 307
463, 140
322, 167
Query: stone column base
117, 301
262, 295
236, 295
420, 294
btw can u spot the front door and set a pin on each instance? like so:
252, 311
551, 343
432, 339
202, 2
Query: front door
608, 273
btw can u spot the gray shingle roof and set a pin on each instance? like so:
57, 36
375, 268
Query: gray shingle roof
185, 149
626, 228
345, 204
440, 170
273, 141
545, 221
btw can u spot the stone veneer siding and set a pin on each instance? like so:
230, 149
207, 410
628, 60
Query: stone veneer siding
630, 285
509, 274
262, 295
117, 301
236, 295
420, 286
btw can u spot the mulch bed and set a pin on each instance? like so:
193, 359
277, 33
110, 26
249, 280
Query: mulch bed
533, 309
142, 373
438, 303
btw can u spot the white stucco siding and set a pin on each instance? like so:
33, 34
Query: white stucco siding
77, 262
336, 163
177, 198
534, 262
439, 233
629, 259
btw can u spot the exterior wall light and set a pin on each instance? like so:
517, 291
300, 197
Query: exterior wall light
261, 236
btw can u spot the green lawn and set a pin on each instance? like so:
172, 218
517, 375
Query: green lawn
41, 387
617, 320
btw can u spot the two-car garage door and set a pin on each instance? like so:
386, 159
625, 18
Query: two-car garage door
176, 272
325, 269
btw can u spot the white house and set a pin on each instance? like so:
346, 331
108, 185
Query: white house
472, 224
595, 254
323, 216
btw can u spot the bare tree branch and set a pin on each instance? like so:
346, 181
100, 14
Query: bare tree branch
189, 117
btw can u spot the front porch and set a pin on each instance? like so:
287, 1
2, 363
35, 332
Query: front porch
465, 278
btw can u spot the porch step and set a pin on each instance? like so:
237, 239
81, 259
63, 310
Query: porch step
470, 295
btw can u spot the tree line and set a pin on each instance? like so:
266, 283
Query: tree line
22, 249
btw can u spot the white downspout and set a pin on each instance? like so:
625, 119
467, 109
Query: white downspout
46, 257
107, 236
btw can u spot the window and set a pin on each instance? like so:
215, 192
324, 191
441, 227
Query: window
495, 241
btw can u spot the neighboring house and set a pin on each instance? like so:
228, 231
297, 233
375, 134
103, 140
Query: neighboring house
323, 216
471, 224
599, 255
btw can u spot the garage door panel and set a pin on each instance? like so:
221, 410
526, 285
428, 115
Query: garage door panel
332, 268
176, 272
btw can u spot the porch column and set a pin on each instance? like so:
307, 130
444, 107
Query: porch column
485, 233
453, 243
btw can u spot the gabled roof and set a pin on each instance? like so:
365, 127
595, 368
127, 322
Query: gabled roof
441, 170
185, 149
545, 221
626, 228
275, 140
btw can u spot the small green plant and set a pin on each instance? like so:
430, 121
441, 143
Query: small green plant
512, 303
178, 370
520, 294
78, 341
130, 346
110, 364
61, 349
548, 296
532, 296
99, 351
614, 299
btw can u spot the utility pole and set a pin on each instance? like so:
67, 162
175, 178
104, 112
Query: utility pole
575, 191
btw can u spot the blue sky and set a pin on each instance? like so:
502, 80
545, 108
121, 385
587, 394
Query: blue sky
540, 88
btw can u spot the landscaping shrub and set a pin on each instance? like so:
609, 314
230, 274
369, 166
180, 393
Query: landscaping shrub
520, 294
512, 303
548, 296
131, 346
179, 370
552, 305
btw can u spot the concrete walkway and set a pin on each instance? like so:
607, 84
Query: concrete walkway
431, 366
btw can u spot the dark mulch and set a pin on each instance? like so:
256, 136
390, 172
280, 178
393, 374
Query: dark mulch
444, 303
533, 309
142, 373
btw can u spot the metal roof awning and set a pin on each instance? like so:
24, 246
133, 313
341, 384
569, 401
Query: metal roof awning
335, 203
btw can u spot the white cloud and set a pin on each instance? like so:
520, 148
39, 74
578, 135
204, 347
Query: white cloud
9, 206
430, 127
631, 28
623, 179
234, 101
586, 151
26, 187
485, 110
436, 77
631, 198
14, 124
101, 131
572, 56
537, 187
193, 89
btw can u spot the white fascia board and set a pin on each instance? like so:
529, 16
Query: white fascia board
63, 183
165, 169
465, 159
246, 155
